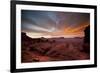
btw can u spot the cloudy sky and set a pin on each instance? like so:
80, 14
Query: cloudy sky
54, 24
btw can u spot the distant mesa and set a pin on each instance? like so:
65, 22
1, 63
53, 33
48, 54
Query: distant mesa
25, 37
78, 37
61, 37
42, 37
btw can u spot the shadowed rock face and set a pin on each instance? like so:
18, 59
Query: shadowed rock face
86, 45
87, 35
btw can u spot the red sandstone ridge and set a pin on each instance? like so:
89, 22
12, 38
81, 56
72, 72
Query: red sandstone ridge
52, 49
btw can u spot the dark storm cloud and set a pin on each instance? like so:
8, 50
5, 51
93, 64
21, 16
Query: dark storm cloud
72, 19
36, 18
47, 21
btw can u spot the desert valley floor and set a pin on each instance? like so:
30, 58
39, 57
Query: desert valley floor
52, 49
